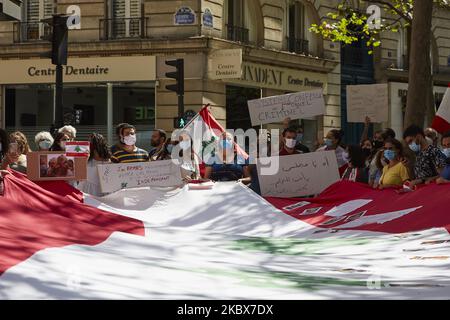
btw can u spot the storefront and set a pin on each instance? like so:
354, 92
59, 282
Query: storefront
261, 80
98, 94
398, 92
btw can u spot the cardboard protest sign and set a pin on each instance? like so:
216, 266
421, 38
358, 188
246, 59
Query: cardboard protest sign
116, 176
300, 175
369, 100
55, 165
294, 105
78, 149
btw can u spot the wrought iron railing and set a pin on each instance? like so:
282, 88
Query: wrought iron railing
31, 31
300, 46
120, 28
239, 34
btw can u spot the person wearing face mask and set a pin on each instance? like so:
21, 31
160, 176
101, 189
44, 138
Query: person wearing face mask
288, 142
44, 141
162, 147
226, 164
299, 146
188, 163
333, 141
445, 175
395, 173
126, 151
356, 170
99, 154
59, 144
430, 161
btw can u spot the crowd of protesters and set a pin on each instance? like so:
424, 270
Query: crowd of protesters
382, 161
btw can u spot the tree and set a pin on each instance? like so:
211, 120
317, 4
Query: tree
348, 24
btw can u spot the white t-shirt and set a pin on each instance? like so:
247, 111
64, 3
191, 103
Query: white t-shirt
92, 184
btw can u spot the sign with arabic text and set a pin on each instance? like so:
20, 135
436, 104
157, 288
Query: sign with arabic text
300, 175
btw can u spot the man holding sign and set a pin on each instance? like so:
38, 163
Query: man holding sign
126, 151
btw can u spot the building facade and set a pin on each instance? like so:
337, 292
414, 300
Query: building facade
116, 68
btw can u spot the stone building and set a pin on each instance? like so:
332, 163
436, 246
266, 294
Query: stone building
117, 68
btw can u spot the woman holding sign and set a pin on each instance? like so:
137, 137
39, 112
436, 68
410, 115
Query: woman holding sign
333, 142
100, 154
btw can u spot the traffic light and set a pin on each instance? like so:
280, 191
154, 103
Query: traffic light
179, 123
178, 75
59, 40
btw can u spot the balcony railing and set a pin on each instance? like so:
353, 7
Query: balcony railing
299, 46
120, 28
31, 31
239, 34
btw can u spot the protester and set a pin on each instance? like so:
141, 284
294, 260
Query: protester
126, 151
59, 144
445, 175
395, 173
188, 161
289, 142
299, 146
70, 131
376, 136
333, 141
4, 144
430, 161
377, 161
432, 136
162, 146
356, 170
44, 141
17, 158
226, 164
99, 154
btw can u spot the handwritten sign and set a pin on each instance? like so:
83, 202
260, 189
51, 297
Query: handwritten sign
368, 100
294, 105
118, 176
300, 175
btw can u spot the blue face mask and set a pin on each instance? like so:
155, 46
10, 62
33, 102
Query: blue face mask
45, 144
446, 152
328, 142
299, 137
169, 148
389, 154
414, 147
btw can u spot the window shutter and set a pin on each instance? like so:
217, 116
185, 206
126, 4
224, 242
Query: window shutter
32, 11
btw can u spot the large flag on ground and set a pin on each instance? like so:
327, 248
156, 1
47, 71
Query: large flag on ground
349, 205
205, 132
32, 219
441, 122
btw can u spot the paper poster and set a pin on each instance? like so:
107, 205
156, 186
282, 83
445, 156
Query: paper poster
300, 175
294, 105
116, 176
371, 100
56, 165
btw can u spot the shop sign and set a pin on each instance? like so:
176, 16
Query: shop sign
279, 78
225, 64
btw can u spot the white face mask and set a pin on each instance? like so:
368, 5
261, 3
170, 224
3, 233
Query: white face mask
130, 140
429, 140
290, 143
62, 144
184, 145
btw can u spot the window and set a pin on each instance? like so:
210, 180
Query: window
126, 18
402, 49
33, 12
235, 25
297, 41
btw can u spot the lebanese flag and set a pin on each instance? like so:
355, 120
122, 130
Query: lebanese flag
78, 149
441, 122
349, 205
33, 218
205, 132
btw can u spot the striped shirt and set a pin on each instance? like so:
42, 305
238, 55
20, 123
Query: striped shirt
122, 156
